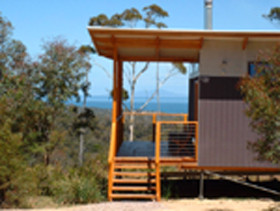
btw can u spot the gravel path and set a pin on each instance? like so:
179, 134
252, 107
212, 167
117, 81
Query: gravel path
171, 205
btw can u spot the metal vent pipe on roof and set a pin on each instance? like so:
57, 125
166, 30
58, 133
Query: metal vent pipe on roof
208, 14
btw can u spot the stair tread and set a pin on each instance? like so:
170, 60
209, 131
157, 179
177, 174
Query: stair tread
134, 174
133, 188
188, 165
134, 159
134, 166
137, 181
133, 196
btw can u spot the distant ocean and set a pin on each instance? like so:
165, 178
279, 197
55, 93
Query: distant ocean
167, 105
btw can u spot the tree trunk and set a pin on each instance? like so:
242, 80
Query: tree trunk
47, 158
157, 88
132, 96
132, 118
81, 152
83, 130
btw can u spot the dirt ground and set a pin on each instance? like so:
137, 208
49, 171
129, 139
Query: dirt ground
172, 205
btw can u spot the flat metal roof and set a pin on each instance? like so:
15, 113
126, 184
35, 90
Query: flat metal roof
166, 45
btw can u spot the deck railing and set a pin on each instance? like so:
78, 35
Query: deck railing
177, 139
172, 139
150, 119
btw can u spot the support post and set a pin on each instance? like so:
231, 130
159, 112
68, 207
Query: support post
157, 161
154, 126
117, 98
201, 185
185, 117
119, 104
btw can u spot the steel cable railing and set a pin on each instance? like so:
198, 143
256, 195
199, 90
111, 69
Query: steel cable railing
178, 139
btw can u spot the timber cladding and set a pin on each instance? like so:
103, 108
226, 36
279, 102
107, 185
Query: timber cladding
224, 129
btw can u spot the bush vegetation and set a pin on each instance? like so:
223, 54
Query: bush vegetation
39, 133
262, 95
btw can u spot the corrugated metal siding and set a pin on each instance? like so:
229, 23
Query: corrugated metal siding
224, 129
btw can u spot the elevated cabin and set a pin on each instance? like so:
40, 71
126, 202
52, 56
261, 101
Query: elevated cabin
213, 135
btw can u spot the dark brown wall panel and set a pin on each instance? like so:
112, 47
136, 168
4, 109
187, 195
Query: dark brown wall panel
191, 99
220, 88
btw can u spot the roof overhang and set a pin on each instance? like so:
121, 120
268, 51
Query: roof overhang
165, 45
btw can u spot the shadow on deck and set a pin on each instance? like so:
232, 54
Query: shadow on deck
137, 149
216, 188
147, 149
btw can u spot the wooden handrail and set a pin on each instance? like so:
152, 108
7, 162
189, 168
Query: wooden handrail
185, 116
113, 142
178, 122
154, 116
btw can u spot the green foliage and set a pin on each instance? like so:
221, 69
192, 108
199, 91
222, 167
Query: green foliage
166, 191
130, 17
125, 94
16, 182
154, 12
73, 189
60, 72
10, 159
83, 120
262, 95
180, 67
274, 14
87, 49
78, 186
38, 131
22, 187
103, 20
38, 144
12, 52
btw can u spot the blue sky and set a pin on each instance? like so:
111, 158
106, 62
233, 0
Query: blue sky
38, 20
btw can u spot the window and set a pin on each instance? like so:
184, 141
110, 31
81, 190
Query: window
252, 69
257, 67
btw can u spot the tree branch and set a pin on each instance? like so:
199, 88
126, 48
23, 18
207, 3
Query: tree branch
142, 71
104, 69
169, 75
128, 76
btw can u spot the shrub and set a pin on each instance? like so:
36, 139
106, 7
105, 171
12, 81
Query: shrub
77, 188
21, 187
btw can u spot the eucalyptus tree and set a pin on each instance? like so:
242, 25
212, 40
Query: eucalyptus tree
84, 116
62, 70
13, 55
15, 97
262, 95
274, 15
132, 18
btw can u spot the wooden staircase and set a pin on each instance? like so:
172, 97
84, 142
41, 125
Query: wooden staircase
133, 178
